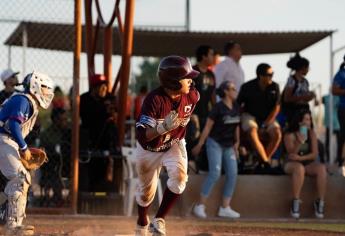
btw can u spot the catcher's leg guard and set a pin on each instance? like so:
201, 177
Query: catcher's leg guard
16, 191
23, 230
3, 208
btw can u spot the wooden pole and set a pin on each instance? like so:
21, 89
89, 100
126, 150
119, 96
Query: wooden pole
126, 64
75, 108
108, 52
89, 37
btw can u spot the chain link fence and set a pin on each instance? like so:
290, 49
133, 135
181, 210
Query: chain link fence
24, 50
50, 185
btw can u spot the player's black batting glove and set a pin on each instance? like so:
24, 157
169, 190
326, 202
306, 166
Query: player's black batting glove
171, 121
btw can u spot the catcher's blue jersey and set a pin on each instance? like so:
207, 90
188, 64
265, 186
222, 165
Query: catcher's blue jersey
15, 110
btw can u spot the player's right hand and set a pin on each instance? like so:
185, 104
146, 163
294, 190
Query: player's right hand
171, 121
26, 154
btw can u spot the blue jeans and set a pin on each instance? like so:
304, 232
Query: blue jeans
218, 155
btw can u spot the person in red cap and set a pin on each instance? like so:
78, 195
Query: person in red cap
93, 111
94, 137
161, 128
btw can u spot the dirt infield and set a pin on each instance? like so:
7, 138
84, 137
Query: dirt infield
121, 226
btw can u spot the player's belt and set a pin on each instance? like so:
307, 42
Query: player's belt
159, 149
165, 147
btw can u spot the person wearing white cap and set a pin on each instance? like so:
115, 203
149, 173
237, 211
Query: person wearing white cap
10, 80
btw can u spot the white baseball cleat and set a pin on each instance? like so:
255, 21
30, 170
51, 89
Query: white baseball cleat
157, 227
141, 230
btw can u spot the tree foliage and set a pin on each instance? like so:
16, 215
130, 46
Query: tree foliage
147, 76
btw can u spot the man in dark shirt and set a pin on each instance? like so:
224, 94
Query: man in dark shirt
93, 111
259, 99
161, 130
10, 80
94, 135
204, 83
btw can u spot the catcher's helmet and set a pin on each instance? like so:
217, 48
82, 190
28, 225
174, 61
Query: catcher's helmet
33, 84
172, 69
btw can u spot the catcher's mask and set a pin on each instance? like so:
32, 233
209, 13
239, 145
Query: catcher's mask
41, 87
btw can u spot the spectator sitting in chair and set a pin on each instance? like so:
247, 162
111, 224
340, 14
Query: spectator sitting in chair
300, 143
259, 100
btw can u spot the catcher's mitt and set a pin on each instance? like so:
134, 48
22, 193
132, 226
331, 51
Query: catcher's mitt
38, 158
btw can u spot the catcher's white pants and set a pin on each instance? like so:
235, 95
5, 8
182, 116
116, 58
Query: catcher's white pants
149, 164
19, 180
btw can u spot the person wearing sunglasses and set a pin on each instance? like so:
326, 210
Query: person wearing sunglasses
260, 103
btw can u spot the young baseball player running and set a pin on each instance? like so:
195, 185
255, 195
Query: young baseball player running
17, 118
160, 131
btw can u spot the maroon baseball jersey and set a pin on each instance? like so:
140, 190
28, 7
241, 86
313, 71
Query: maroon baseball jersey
158, 105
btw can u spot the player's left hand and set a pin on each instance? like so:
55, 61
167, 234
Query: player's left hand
26, 154
35, 160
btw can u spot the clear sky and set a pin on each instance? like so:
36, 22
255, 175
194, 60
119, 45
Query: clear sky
215, 15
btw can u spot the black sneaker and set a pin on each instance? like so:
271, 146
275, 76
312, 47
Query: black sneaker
294, 211
319, 206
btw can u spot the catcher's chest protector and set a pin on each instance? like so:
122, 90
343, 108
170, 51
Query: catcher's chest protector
29, 123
